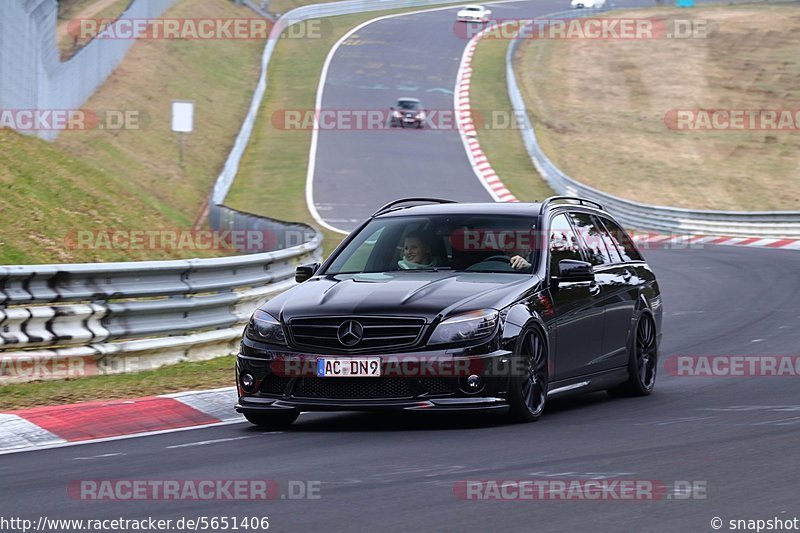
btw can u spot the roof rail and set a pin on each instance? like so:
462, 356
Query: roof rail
580, 201
391, 206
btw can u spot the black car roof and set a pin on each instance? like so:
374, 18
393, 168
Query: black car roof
486, 208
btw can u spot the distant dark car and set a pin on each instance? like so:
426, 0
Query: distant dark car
443, 306
408, 112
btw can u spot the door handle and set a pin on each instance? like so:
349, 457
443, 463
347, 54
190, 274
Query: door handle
594, 289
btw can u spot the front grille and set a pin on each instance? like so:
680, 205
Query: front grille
379, 333
274, 384
353, 388
436, 385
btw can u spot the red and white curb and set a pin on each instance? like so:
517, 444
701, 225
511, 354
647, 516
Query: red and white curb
60, 425
466, 128
653, 240
500, 193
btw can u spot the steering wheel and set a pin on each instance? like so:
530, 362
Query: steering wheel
499, 257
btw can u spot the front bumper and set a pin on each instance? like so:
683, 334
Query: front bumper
439, 383
478, 404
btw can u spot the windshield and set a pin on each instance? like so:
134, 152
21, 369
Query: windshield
407, 104
472, 9
462, 243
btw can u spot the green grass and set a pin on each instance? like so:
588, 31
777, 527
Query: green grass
503, 146
272, 176
271, 181
211, 374
130, 179
599, 109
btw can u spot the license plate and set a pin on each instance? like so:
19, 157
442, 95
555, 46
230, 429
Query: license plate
358, 367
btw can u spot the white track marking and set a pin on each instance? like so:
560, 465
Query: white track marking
213, 441
101, 456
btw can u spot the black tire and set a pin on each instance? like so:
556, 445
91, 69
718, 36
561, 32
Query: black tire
272, 420
527, 395
642, 361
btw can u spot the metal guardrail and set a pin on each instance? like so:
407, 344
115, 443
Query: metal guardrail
295, 16
149, 312
638, 215
121, 317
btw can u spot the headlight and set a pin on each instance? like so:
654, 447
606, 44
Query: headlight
466, 327
263, 327
396, 114
421, 115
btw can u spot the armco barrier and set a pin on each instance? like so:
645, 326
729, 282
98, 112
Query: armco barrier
134, 316
643, 216
120, 317
345, 7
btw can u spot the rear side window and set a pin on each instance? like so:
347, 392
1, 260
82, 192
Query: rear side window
622, 240
562, 242
608, 240
592, 237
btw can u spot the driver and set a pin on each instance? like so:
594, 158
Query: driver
519, 263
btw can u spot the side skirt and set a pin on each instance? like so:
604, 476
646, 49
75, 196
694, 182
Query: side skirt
589, 382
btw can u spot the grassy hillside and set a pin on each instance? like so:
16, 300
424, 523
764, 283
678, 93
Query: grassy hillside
130, 179
600, 106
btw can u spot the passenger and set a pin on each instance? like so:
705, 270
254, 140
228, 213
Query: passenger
417, 252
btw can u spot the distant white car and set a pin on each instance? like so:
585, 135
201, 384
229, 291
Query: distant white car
590, 4
474, 13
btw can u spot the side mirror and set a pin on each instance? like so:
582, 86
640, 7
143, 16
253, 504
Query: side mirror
572, 271
304, 272
392, 108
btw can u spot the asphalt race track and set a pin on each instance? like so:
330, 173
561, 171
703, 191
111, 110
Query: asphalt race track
397, 473
738, 438
418, 56
414, 55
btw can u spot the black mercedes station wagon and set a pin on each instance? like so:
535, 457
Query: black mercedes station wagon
433, 305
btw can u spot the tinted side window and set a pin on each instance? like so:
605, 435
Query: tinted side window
562, 242
592, 239
622, 240
609, 242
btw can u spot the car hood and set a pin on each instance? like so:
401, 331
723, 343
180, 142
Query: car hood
419, 294
467, 13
